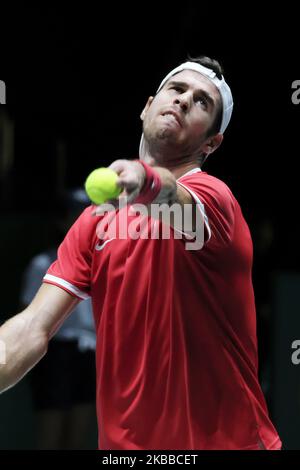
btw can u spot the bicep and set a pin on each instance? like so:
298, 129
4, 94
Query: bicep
50, 307
194, 211
189, 207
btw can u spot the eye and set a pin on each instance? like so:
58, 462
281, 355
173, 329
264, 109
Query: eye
176, 88
202, 101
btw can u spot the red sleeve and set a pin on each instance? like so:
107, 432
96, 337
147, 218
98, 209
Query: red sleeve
218, 204
72, 269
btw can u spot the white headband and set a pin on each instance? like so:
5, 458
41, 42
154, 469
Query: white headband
222, 86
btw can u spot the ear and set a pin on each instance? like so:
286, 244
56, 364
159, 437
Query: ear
143, 113
212, 143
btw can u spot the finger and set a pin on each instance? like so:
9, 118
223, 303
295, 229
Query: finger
120, 183
128, 182
118, 166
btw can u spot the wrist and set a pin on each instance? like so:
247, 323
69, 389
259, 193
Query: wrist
142, 173
151, 187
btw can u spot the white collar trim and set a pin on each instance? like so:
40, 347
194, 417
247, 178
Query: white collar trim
190, 172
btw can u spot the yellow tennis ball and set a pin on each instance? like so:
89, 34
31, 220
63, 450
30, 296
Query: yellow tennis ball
101, 185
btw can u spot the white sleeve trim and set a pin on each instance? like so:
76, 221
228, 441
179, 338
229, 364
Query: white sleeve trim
61, 282
201, 207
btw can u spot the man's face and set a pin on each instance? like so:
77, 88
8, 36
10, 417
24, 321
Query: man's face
180, 115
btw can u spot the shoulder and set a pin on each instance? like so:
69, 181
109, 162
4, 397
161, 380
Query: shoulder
86, 217
85, 223
84, 232
209, 187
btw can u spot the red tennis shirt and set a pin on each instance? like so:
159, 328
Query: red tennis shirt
176, 329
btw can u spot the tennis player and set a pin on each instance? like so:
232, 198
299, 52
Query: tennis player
176, 327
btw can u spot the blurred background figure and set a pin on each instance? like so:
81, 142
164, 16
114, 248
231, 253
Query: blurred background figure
63, 383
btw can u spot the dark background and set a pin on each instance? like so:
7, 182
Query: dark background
83, 77
77, 78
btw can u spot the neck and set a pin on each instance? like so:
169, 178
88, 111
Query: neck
180, 170
177, 168
177, 164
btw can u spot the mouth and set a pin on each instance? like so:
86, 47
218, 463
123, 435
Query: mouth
173, 115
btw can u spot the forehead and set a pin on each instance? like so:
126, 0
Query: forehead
196, 81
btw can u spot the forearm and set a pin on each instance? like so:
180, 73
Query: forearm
25, 336
173, 193
139, 183
169, 189
23, 345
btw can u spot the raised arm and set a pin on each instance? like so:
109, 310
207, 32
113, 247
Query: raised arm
24, 337
132, 178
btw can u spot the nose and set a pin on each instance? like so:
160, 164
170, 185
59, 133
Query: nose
183, 100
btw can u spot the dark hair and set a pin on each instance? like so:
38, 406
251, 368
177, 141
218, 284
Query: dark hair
217, 68
212, 64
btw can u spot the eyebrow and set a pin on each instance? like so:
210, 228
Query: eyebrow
203, 93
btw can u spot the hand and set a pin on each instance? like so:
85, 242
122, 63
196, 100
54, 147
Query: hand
131, 179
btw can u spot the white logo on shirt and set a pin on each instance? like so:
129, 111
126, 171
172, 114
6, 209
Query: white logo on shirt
100, 247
